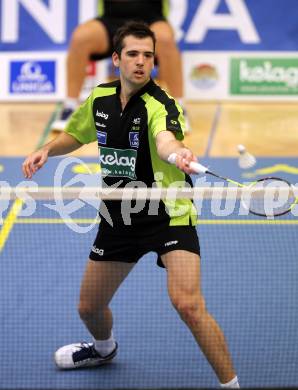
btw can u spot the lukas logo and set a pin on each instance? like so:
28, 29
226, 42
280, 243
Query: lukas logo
102, 115
101, 137
134, 139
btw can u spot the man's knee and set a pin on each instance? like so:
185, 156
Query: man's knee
88, 36
87, 310
166, 40
164, 33
190, 308
79, 37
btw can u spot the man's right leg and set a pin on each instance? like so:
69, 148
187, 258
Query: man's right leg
100, 282
88, 38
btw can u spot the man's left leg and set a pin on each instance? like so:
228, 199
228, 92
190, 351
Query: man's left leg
183, 276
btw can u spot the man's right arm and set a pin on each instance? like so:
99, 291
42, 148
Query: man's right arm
63, 144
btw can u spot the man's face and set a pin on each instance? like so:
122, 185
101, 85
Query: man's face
136, 61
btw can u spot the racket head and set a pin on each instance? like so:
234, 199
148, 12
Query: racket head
269, 197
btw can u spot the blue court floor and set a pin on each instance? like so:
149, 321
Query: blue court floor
249, 278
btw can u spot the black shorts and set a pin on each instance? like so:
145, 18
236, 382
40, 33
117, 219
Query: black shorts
112, 25
129, 244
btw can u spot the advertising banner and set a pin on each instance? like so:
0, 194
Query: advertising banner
238, 48
264, 76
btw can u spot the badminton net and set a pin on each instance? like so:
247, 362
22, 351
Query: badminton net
249, 274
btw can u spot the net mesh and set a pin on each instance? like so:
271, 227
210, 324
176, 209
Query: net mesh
249, 273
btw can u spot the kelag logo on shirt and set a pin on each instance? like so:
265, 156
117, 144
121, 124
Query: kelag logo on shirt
34, 77
118, 162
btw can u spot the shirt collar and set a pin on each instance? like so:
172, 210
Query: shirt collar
146, 88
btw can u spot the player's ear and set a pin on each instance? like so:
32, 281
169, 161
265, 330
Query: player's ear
115, 59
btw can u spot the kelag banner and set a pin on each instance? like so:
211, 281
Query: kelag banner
220, 25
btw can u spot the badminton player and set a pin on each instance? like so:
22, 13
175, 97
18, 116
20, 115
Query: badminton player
137, 126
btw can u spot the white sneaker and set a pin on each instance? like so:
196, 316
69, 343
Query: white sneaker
81, 355
188, 128
60, 122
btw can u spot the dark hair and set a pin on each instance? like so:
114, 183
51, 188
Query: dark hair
137, 29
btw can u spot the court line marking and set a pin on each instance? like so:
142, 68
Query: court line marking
200, 222
213, 130
16, 207
9, 221
54, 220
47, 128
247, 222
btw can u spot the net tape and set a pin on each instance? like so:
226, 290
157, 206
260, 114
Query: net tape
129, 193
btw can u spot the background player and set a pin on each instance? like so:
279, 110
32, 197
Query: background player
95, 37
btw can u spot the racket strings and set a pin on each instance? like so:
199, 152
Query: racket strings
270, 197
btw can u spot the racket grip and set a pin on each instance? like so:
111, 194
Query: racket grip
198, 168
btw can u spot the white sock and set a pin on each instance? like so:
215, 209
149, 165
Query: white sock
105, 347
71, 103
233, 384
180, 101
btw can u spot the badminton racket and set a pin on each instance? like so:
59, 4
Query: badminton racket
268, 197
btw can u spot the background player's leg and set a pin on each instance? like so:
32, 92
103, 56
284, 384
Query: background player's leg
170, 70
88, 38
169, 58
183, 269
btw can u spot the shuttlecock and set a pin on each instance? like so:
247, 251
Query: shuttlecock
246, 160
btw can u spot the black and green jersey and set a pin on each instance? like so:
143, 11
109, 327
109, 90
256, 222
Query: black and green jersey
126, 141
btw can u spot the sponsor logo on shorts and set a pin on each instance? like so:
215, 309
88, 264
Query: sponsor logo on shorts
170, 243
98, 251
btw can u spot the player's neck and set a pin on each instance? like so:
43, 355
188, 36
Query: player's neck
127, 91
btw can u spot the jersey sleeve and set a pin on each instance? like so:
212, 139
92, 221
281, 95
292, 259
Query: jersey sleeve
81, 124
169, 117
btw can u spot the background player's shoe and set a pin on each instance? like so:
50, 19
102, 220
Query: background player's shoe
187, 122
60, 122
81, 355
